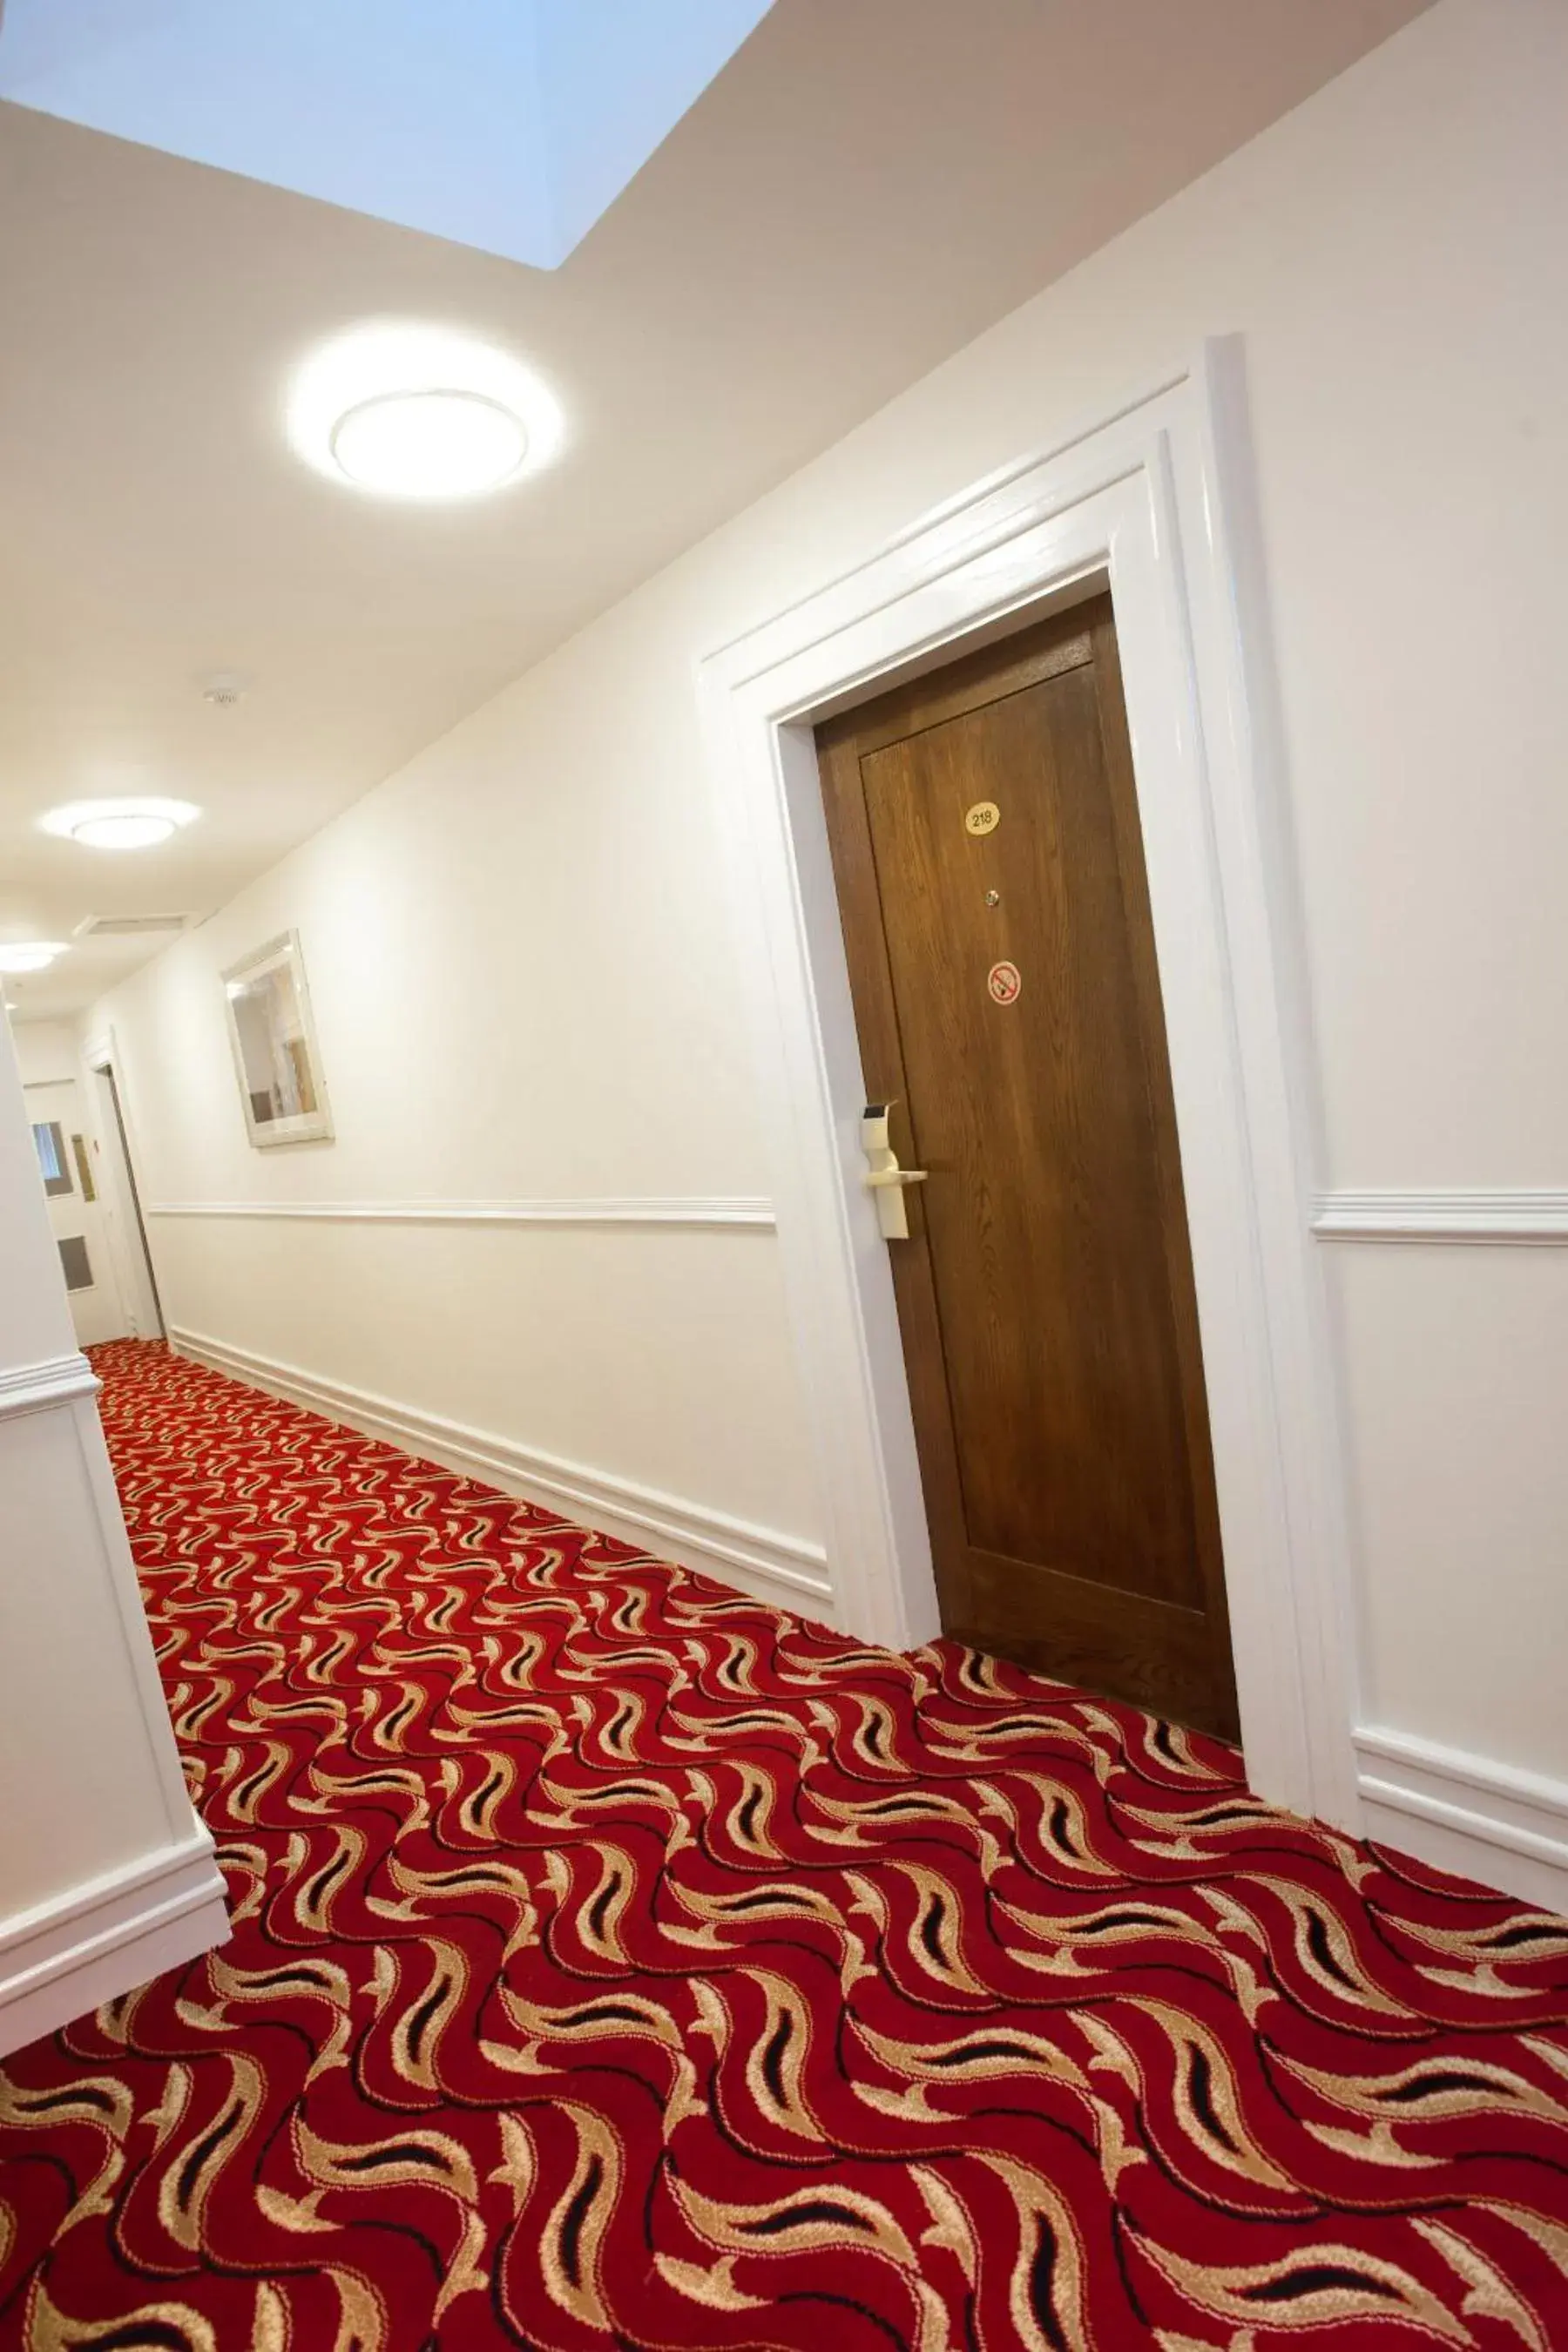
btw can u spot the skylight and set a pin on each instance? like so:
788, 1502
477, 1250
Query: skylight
510, 125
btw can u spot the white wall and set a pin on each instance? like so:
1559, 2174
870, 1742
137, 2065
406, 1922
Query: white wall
45, 1051
105, 1876
522, 973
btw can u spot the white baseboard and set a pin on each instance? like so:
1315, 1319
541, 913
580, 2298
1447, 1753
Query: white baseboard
1490, 1821
64, 1958
781, 1569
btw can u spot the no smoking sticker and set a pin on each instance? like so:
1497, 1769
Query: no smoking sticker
1002, 983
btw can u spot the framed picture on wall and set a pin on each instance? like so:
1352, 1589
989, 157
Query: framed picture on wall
275, 1049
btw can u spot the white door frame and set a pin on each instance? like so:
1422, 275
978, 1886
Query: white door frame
1157, 500
133, 1257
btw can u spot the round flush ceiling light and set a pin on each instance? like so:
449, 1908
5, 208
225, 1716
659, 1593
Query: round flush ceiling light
429, 445
29, 955
408, 411
120, 823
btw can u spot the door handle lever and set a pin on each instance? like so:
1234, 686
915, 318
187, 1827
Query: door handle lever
884, 1177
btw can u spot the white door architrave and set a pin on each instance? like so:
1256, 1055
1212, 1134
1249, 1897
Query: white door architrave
1156, 501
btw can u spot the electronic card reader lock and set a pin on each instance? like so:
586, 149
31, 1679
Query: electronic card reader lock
886, 1179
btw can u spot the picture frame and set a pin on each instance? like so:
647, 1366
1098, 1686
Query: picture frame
277, 1058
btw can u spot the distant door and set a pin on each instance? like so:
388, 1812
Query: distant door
985, 840
67, 1167
122, 1207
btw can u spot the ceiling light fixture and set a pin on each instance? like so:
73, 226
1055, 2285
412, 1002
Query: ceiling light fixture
409, 412
429, 445
29, 955
120, 823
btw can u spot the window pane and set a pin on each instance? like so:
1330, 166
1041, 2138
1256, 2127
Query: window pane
50, 1146
74, 1260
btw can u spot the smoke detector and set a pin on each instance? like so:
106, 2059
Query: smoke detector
223, 691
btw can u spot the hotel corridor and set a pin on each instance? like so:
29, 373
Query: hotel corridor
616, 1960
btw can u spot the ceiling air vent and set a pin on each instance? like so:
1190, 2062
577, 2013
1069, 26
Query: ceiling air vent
128, 926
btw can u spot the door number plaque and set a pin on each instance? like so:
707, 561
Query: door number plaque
983, 817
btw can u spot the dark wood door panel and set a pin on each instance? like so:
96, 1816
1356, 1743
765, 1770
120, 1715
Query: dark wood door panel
1043, 1210
1152, 1652
1007, 992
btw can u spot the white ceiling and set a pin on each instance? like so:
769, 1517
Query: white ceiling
862, 189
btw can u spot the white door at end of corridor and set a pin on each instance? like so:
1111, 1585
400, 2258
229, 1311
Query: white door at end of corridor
116, 1177
67, 1169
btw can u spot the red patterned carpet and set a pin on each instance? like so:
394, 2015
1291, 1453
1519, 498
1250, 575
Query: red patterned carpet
621, 1964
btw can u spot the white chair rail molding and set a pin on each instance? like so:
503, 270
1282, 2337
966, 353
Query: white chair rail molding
1521, 1218
630, 1211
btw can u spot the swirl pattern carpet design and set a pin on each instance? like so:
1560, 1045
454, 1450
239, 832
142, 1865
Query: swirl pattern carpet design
620, 1963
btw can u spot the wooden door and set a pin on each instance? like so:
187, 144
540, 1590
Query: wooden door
990, 868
